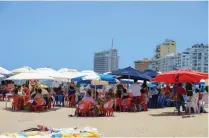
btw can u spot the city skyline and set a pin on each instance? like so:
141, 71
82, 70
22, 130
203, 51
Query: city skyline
67, 34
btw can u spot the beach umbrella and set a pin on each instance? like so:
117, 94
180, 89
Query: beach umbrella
4, 71
67, 70
24, 69
1, 76
70, 75
107, 77
179, 76
150, 73
30, 76
130, 73
52, 73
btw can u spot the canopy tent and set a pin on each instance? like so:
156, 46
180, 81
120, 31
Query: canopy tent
179, 76
24, 69
52, 73
130, 73
30, 76
150, 73
4, 71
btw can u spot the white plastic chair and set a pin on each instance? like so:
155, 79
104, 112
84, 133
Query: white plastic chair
204, 101
193, 104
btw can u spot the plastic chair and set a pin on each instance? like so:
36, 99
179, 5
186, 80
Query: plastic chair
38, 106
126, 104
15, 103
108, 108
60, 98
144, 101
118, 103
193, 104
84, 107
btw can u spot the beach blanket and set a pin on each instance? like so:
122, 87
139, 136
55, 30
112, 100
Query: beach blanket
56, 133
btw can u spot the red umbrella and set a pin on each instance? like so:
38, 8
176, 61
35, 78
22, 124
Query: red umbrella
179, 76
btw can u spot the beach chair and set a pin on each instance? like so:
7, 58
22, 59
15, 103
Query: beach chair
193, 104
118, 102
84, 107
126, 104
108, 108
16, 105
38, 106
144, 101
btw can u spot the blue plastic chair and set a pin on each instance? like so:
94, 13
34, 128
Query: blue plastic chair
59, 98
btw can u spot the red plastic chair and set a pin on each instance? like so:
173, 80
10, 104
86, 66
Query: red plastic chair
144, 101
38, 105
84, 107
15, 103
126, 104
108, 108
118, 103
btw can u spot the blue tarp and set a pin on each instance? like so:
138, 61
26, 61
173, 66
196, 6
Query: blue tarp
131, 73
150, 73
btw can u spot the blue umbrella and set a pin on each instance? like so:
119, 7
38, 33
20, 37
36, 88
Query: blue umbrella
130, 73
150, 73
107, 77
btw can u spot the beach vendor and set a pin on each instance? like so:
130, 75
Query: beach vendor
180, 99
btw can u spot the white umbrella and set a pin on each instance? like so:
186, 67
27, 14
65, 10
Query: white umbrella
30, 76
24, 69
4, 71
1, 76
52, 73
71, 75
67, 70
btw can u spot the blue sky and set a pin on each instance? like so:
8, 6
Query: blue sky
66, 34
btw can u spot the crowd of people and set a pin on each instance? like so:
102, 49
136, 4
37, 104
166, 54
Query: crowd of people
74, 93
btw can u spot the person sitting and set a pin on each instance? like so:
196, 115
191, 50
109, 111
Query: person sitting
125, 91
20, 91
120, 89
143, 99
59, 96
88, 97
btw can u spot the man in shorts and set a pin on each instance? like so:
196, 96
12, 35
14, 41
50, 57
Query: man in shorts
135, 89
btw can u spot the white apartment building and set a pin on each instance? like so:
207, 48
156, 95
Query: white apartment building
199, 57
106, 61
195, 58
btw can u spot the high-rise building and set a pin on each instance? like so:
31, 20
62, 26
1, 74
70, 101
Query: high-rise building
106, 61
195, 58
167, 47
199, 56
142, 65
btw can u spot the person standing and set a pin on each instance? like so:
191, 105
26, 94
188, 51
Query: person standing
180, 99
189, 90
153, 94
120, 90
135, 89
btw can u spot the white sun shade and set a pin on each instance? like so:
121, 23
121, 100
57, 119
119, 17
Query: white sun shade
4, 71
30, 76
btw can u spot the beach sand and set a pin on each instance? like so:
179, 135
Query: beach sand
154, 123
